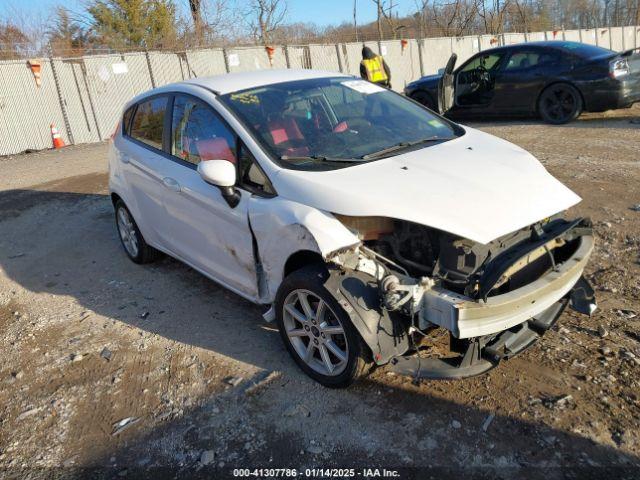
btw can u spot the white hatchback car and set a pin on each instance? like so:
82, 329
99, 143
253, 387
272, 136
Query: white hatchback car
364, 220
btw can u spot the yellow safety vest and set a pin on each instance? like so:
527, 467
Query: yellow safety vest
375, 69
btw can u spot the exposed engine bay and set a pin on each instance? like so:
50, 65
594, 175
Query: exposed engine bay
495, 299
459, 264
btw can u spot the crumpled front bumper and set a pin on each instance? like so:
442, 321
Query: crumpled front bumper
465, 317
481, 354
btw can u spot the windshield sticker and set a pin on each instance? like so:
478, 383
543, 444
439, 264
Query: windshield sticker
436, 123
245, 98
363, 86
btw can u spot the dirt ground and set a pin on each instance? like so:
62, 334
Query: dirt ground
118, 369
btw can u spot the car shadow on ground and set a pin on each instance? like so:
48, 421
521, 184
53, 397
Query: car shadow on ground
414, 432
64, 243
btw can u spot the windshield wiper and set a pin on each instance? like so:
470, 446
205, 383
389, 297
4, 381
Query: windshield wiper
403, 145
319, 158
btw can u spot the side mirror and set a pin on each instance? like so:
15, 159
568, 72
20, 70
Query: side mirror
221, 174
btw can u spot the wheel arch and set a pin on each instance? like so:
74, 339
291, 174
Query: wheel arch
556, 82
300, 259
421, 90
115, 198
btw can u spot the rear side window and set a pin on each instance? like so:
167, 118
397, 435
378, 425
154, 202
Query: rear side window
198, 134
147, 124
584, 50
522, 60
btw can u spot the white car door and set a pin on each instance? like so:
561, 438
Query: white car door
201, 228
142, 160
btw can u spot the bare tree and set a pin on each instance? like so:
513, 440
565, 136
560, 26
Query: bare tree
492, 14
355, 18
385, 13
422, 16
454, 17
265, 16
523, 12
195, 7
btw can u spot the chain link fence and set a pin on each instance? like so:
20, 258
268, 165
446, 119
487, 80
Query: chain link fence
83, 97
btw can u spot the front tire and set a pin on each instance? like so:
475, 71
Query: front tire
132, 240
317, 331
560, 103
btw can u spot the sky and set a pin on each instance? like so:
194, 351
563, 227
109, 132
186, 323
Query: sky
321, 12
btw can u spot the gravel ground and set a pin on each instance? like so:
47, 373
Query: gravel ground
126, 368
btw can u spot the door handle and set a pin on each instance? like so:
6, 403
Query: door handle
171, 184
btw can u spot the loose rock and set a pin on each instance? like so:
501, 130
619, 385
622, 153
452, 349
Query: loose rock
123, 424
314, 449
487, 422
233, 381
106, 354
207, 457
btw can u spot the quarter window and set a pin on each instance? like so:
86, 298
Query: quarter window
148, 122
250, 175
198, 133
126, 120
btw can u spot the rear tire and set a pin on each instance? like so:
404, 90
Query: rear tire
425, 99
132, 240
317, 331
560, 103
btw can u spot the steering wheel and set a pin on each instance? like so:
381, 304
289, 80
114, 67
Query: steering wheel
484, 77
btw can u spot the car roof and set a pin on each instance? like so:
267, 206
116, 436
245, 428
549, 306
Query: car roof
234, 82
554, 44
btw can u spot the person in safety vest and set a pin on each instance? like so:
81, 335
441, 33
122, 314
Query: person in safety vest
374, 68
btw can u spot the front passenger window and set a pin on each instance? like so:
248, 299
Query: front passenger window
198, 134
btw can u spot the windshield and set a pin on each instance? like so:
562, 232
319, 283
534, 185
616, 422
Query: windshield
332, 123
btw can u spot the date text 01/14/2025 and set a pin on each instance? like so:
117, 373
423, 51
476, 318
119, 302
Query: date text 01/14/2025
316, 472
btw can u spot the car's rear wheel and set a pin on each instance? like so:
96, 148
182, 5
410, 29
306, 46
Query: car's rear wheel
560, 103
424, 98
132, 240
317, 331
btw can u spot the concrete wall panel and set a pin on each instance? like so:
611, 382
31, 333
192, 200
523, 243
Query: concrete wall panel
404, 64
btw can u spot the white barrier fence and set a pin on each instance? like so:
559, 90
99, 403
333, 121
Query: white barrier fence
84, 96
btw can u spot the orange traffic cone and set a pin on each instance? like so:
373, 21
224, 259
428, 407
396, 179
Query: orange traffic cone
57, 139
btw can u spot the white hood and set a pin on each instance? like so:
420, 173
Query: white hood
477, 187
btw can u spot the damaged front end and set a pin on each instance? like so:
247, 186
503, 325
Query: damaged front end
407, 282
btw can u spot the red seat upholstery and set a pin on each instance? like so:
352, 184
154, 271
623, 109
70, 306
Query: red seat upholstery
215, 149
341, 127
285, 129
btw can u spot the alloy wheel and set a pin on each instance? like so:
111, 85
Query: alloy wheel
560, 104
127, 232
315, 332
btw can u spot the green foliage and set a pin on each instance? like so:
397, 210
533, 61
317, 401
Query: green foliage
125, 24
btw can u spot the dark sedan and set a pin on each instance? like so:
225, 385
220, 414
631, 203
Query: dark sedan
556, 80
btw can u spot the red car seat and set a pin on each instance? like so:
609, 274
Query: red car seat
283, 129
215, 149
